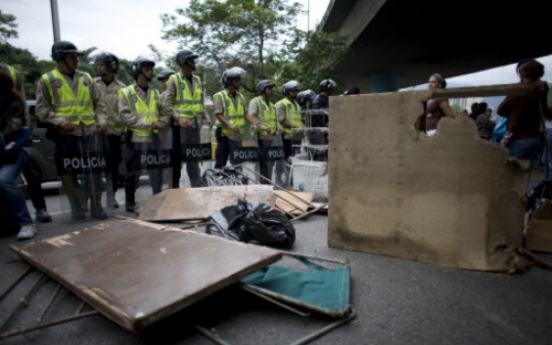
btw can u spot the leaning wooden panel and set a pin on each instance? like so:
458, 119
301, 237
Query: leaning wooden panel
452, 199
137, 273
174, 205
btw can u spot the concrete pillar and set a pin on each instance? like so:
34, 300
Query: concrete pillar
384, 82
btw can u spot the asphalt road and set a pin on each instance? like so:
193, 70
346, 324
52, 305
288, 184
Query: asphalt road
396, 301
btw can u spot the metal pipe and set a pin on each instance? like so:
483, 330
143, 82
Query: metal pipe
49, 324
325, 330
55, 20
22, 300
251, 289
21, 276
49, 304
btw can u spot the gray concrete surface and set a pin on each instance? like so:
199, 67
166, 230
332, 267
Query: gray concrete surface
397, 302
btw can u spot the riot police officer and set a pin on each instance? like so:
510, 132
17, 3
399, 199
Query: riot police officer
230, 110
184, 94
144, 115
107, 66
289, 116
69, 99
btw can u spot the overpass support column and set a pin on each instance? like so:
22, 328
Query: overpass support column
384, 82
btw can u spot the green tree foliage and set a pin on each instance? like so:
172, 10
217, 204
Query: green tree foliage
7, 27
25, 63
314, 55
232, 32
456, 109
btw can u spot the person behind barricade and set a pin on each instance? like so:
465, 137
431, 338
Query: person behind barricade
263, 113
30, 171
289, 116
320, 118
184, 94
525, 114
107, 66
230, 110
13, 157
483, 122
353, 90
163, 77
144, 115
437, 108
304, 99
68, 99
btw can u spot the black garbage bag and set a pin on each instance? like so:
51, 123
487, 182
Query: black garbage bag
226, 176
253, 222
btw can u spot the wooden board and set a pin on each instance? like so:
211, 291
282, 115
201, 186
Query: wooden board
136, 273
173, 205
295, 203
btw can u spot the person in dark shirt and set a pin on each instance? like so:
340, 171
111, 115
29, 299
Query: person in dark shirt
524, 113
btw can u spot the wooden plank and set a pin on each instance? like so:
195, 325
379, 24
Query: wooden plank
136, 273
490, 90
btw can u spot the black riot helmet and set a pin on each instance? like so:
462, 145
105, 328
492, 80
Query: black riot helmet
165, 74
111, 61
263, 84
60, 48
231, 74
136, 66
183, 56
304, 96
292, 85
327, 84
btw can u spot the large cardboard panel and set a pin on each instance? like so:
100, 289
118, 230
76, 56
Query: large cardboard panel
137, 273
452, 199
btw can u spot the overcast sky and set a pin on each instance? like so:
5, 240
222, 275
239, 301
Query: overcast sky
127, 27
123, 27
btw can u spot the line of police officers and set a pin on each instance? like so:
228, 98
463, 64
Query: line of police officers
91, 115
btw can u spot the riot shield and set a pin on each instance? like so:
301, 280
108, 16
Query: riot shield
81, 165
283, 168
244, 152
317, 134
309, 166
148, 161
270, 154
196, 152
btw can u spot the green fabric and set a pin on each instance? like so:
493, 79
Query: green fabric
323, 287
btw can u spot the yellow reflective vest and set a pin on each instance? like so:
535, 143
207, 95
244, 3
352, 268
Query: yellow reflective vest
141, 109
235, 116
75, 109
13, 74
267, 113
186, 104
293, 114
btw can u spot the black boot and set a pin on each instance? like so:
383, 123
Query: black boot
43, 216
77, 212
130, 205
96, 210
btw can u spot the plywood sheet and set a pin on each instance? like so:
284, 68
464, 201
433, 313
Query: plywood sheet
452, 199
136, 273
200, 203
293, 202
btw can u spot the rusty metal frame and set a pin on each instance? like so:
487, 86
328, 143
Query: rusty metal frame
281, 300
23, 302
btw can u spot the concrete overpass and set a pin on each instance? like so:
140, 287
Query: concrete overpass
400, 43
